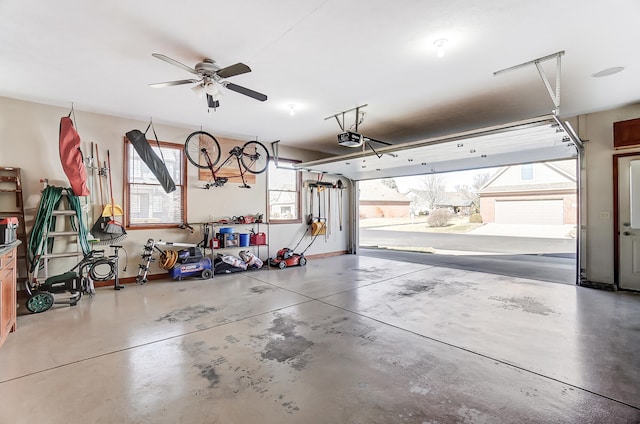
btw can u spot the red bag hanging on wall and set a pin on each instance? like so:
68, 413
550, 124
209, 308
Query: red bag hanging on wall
71, 157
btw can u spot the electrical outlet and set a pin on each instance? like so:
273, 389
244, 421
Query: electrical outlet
605, 215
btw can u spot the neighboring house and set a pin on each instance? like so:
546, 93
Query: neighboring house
379, 201
538, 193
458, 202
419, 204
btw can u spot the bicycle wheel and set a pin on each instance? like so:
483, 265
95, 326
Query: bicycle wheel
198, 146
255, 157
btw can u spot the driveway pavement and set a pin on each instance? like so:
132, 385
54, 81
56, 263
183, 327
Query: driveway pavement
523, 230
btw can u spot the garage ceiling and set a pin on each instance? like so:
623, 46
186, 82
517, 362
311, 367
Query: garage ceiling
533, 140
323, 56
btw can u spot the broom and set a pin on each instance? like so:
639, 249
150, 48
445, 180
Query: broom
113, 227
99, 229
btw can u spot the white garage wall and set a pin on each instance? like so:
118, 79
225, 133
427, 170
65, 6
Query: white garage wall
29, 140
597, 128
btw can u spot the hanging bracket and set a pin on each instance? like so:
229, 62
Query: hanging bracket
554, 94
358, 120
274, 149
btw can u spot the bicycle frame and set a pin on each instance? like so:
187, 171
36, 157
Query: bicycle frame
237, 152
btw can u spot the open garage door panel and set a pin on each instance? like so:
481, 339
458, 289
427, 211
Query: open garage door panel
535, 140
538, 212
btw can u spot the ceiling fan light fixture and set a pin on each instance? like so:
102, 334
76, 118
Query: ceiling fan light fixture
212, 89
198, 90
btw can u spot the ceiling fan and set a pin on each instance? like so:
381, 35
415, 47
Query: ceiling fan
210, 78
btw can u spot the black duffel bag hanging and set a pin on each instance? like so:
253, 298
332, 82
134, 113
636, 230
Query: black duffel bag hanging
150, 158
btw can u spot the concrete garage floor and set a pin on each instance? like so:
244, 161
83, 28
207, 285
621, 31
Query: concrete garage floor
349, 339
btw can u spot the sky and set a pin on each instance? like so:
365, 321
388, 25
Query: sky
451, 179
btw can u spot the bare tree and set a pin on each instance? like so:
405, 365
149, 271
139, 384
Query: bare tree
480, 180
433, 187
391, 183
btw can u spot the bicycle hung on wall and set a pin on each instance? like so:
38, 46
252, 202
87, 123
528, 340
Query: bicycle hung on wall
203, 151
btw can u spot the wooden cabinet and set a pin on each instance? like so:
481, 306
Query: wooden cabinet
8, 259
626, 133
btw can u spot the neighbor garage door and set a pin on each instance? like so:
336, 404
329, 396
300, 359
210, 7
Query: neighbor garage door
541, 212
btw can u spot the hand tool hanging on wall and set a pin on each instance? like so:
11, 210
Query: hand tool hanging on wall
319, 223
100, 173
340, 188
329, 211
89, 205
105, 229
113, 227
310, 216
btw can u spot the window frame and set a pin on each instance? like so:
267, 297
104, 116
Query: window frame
529, 170
298, 192
182, 184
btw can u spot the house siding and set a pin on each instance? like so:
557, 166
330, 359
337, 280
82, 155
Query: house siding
380, 209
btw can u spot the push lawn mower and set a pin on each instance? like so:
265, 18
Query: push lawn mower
286, 257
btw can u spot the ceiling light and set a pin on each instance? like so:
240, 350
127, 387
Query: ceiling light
198, 90
440, 44
292, 109
212, 89
608, 71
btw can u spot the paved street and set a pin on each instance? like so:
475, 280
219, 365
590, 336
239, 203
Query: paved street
547, 259
373, 237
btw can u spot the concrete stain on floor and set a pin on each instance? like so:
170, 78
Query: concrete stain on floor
344, 326
208, 372
227, 377
434, 288
413, 289
261, 289
187, 314
285, 345
526, 304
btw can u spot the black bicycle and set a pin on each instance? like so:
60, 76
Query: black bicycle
203, 150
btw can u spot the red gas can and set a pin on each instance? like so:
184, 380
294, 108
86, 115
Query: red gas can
258, 239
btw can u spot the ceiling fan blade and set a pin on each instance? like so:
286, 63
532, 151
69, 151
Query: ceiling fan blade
174, 62
233, 70
245, 91
212, 103
172, 83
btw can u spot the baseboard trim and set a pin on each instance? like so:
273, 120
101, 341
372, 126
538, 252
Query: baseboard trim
326, 255
130, 280
599, 286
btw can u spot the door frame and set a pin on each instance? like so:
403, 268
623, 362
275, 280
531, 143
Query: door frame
616, 217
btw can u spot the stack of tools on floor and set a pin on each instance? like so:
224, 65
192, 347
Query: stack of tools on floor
228, 264
187, 262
